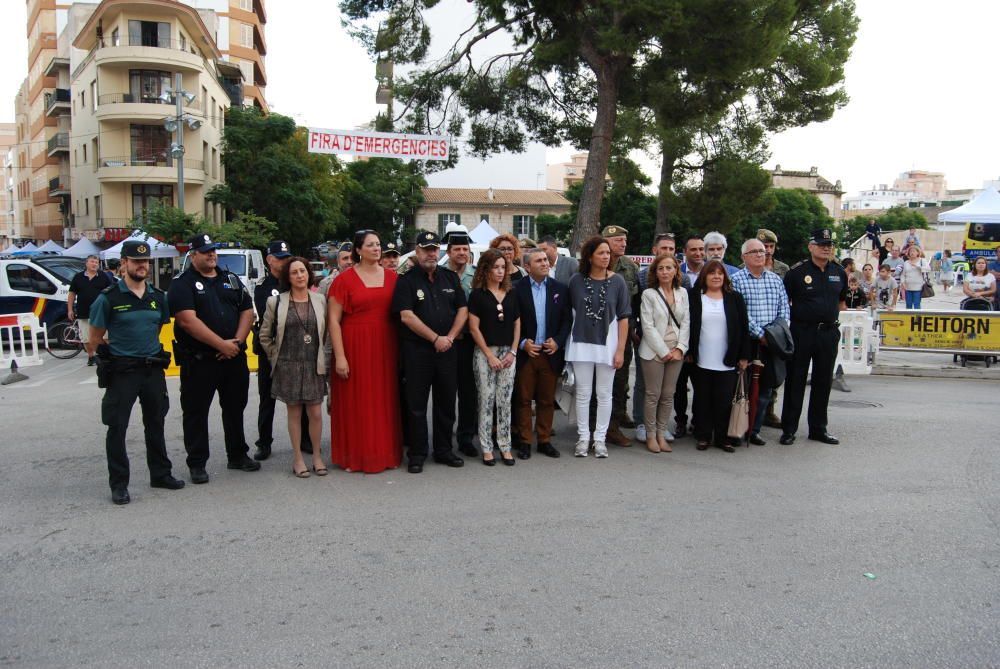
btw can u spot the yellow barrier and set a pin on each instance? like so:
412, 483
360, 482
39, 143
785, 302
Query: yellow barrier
969, 332
167, 339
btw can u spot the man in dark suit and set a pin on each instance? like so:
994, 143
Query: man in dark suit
546, 320
561, 268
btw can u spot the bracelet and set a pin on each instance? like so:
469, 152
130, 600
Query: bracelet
436, 337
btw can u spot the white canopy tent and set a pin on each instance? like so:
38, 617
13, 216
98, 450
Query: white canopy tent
83, 248
984, 209
51, 247
10, 249
27, 248
483, 233
157, 248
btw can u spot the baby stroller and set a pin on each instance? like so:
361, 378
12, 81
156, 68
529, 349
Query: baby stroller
975, 304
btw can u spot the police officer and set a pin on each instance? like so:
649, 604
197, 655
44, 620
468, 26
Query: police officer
816, 288
277, 258
390, 256
131, 366
213, 314
617, 237
431, 304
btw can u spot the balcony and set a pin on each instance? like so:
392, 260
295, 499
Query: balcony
59, 186
129, 52
59, 143
135, 106
148, 169
57, 102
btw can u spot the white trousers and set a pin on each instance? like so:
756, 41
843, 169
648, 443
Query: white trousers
585, 373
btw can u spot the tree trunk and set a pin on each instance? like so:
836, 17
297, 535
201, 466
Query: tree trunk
663, 194
588, 216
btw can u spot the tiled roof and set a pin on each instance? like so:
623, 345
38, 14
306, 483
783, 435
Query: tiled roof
480, 196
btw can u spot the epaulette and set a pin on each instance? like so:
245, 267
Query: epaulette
797, 264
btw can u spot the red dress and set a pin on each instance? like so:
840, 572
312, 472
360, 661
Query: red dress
365, 432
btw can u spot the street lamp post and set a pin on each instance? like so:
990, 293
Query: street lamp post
175, 124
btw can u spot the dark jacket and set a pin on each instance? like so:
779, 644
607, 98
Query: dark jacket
780, 348
558, 318
737, 327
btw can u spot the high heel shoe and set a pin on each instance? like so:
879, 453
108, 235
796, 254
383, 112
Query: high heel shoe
510, 462
491, 462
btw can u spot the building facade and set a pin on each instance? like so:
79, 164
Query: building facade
8, 198
879, 198
829, 193
125, 60
560, 176
507, 211
928, 186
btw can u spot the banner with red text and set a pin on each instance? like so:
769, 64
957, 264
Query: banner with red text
379, 144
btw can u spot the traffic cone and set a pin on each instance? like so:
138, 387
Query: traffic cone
14, 375
838, 380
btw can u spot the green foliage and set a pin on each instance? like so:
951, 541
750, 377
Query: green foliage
902, 218
382, 195
270, 173
249, 229
173, 226
560, 227
795, 215
170, 224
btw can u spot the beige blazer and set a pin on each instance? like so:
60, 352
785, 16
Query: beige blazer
656, 322
271, 337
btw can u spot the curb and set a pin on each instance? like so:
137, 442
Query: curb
993, 373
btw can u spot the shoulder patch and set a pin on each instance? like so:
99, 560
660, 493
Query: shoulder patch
797, 264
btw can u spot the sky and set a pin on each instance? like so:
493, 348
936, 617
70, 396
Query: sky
921, 81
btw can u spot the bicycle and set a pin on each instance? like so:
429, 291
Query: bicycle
68, 343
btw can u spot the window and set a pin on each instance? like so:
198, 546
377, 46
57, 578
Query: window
150, 145
146, 195
94, 152
204, 100
215, 161
484, 217
83, 99
246, 5
115, 38
29, 280
84, 154
184, 42
246, 67
445, 219
246, 35
97, 208
524, 226
93, 95
147, 85
149, 33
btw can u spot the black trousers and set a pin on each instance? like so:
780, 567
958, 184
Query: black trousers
265, 407
681, 394
468, 400
713, 402
429, 374
819, 346
619, 389
123, 389
200, 380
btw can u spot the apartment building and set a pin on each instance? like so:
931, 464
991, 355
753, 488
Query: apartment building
8, 198
45, 108
125, 59
560, 176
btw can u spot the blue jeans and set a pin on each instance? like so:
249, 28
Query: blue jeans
763, 402
913, 299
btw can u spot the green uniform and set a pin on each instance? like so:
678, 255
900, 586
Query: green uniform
619, 392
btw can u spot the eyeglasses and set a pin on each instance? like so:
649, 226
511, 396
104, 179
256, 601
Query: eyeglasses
758, 252
505, 249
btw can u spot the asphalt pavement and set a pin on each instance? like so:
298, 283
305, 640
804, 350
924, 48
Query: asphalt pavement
687, 559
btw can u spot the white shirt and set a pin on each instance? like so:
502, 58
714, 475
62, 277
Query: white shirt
980, 283
714, 336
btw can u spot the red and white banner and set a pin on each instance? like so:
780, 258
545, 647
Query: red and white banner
379, 144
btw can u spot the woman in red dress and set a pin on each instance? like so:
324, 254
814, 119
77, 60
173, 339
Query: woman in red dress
365, 434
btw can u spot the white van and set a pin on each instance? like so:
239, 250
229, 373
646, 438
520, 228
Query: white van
248, 264
40, 285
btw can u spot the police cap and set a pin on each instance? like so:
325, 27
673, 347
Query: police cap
136, 250
390, 249
426, 240
823, 236
278, 248
202, 243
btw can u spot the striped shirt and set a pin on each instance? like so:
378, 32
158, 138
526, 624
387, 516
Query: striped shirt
766, 299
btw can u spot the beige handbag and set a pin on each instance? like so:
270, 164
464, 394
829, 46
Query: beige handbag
739, 415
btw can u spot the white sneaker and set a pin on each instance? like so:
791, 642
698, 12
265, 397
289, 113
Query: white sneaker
600, 450
582, 447
640, 433
668, 435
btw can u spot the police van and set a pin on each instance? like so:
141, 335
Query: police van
247, 264
39, 285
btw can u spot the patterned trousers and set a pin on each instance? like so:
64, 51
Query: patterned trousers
495, 387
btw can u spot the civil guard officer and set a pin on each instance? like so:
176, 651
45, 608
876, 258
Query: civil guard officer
432, 307
278, 255
212, 318
617, 237
816, 289
131, 366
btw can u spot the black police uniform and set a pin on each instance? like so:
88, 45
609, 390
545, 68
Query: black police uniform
218, 302
131, 366
815, 296
436, 304
268, 288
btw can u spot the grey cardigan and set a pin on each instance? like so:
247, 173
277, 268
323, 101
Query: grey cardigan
272, 329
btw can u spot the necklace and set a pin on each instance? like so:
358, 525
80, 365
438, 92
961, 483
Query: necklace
602, 298
306, 337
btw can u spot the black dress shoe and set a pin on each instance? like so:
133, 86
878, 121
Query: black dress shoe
549, 450
120, 496
490, 463
680, 430
726, 447
469, 450
246, 464
756, 440
262, 453
199, 475
524, 451
825, 437
168, 482
787, 439
510, 462
450, 459
415, 467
